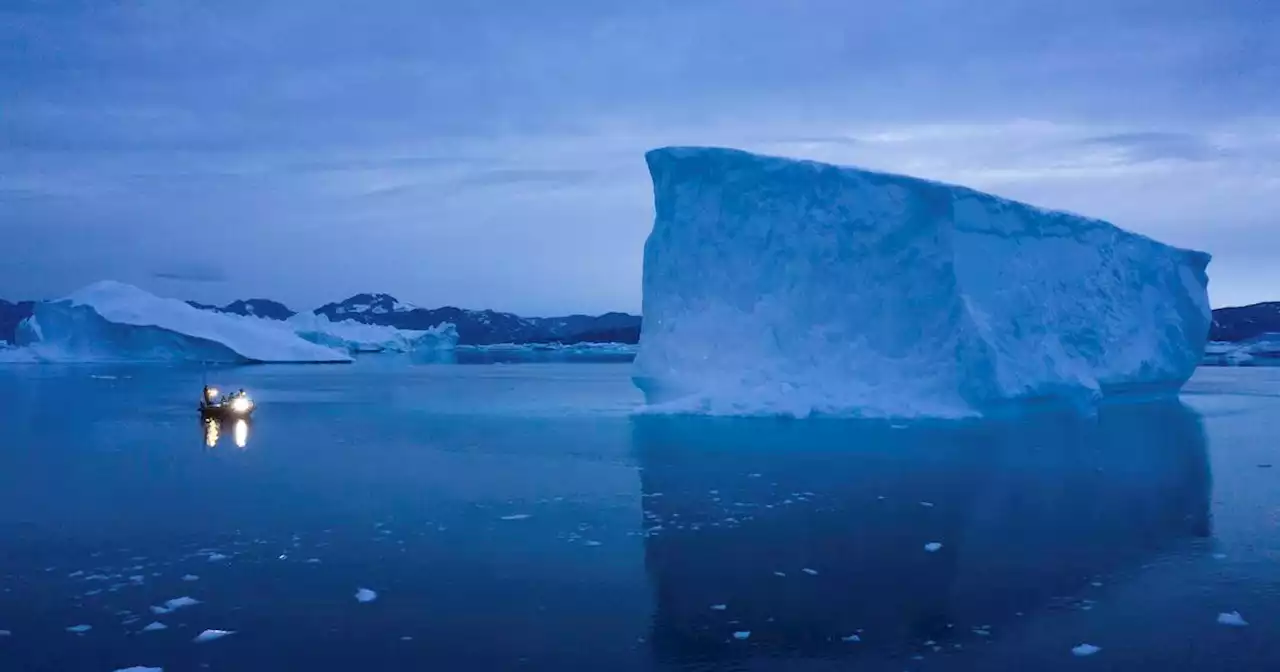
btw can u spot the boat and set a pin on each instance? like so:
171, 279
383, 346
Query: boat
236, 405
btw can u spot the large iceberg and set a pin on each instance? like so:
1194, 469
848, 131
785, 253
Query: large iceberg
111, 321
774, 286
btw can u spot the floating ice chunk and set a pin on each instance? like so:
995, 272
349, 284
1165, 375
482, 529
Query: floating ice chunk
210, 635
313, 561
591, 542
80, 629
517, 516
719, 607
742, 634
1085, 650
180, 602
190, 577
215, 557
851, 638
154, 626
933, 547
140, 668
783, 574
176, 603
6, 633
810, 572
1232, 618
366, 595
927, 505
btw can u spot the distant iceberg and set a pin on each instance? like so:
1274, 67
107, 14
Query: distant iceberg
359, 337
1264, 348
774, 286
545, 352
114, 322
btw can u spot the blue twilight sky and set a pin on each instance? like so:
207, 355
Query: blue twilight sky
489, 154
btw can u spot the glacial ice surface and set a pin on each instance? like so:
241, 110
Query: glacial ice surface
781, 287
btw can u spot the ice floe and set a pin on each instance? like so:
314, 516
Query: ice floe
366, 595
1232, 618
1085, 650
175, 603
210, 635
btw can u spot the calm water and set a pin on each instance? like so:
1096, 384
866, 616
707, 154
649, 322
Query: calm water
521, 518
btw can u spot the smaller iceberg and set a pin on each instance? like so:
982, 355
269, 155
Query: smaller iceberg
114, 322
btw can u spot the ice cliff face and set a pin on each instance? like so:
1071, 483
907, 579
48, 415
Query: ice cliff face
793, 287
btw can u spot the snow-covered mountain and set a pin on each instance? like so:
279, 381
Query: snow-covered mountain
272, 310
482, 327
1245, 322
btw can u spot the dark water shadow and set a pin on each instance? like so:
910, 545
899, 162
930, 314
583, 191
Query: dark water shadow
1028, 513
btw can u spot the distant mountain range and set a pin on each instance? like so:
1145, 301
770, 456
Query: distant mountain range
475, 327
1245, 322
485, 327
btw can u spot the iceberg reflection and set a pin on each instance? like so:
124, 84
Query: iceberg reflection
810, 532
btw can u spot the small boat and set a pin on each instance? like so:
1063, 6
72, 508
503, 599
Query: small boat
236, 405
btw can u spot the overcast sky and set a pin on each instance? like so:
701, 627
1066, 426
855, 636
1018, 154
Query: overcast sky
490, 154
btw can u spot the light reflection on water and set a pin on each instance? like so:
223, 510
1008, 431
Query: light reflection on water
213, 428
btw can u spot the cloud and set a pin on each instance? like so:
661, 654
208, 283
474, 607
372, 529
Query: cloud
1156, 145
192, 272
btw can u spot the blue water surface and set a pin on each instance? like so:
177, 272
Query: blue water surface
523, 517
